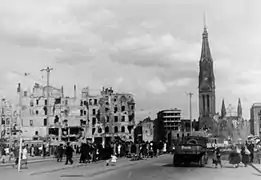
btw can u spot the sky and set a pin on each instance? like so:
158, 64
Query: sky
150, 48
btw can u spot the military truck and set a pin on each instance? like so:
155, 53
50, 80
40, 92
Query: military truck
192, 149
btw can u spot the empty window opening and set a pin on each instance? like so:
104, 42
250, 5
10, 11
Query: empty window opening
115, 129
115, 118
45, 122
107, 129
93, 120
95, 101
31, 123
81, 112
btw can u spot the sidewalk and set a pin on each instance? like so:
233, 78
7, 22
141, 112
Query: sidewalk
36, 159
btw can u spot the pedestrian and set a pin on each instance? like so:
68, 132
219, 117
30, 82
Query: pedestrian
69, 154
44, 151
3, 157
113, 159
108, 151
83, 153
24, 156
217, 158
234, 157
59, 152
16, 156
251, 149
245, 155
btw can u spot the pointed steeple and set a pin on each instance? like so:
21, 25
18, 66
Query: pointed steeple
205, 51
239, 108
223, 109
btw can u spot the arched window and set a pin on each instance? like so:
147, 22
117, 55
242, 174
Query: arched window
122, 129
115, 129
99, 130
107, 129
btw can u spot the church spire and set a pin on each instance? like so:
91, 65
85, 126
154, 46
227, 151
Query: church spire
239, 108
223, 109
205, 51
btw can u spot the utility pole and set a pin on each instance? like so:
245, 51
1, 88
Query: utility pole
190, 94
48, 70
19, 90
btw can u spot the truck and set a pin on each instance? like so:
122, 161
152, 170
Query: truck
192, 149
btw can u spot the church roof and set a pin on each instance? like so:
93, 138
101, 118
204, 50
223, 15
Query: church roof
205, 50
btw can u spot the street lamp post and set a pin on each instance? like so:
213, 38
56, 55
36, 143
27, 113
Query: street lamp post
48, 70
190, 94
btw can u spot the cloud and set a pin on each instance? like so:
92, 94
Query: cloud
154, 51
155, 86
126, 45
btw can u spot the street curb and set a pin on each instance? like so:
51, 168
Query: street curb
63, 168
254, 167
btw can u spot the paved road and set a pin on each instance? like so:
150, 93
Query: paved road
155, 169
152, 169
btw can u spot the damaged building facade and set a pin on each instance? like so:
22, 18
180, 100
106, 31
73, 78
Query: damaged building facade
66, 119
115, 117
106, 115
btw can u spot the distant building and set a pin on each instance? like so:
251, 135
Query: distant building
67, 115
255, 119
167, 122
144, 131
6, 123
116, 116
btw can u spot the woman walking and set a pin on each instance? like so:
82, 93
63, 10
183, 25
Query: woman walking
245, 153
234, 157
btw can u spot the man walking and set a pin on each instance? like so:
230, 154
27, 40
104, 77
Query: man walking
251, 149
69, 153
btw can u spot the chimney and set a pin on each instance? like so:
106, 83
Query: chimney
74, 91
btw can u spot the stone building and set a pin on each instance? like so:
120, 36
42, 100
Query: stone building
206, 85
116, 116
167, 123
6, 123
255, 119
66, 118
144, 131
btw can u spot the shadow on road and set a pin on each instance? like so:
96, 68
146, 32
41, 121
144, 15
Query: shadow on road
256, 174
182, 165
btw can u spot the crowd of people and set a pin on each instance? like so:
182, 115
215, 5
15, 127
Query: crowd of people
240, 153
91, 152
87, 152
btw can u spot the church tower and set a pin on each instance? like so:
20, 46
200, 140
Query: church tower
207, 99
239, 109
223, 110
